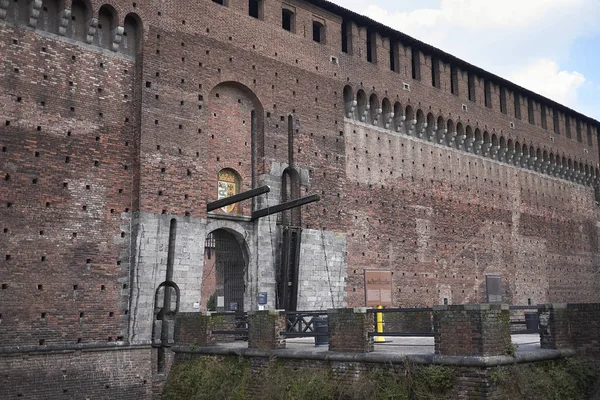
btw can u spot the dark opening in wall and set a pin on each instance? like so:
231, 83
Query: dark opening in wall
578, 130
318, 30
288, 20
568, 126
517, 106
503, 100
255, 8
530, 110
79, 17
471, 82
589, 135
416, 64
556, 122
394, 57
371, 46
543, 117
454, 80
435, 72
487, 94
346, 37
221, 2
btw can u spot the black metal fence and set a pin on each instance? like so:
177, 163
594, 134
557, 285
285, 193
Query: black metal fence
305, 324
404, 322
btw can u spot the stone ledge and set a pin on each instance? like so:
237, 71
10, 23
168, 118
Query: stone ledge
382, 358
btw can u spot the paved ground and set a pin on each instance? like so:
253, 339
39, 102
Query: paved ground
394, 345
412, 345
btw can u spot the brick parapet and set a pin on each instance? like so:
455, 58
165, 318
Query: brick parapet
472, 330
264, 330
198, 328
349, 330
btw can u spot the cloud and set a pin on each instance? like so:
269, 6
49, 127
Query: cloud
525, 41
545, 78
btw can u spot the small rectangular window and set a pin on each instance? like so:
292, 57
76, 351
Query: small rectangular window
503, 100
556, 122
318, 32
471, 81
517, 105
454, 80
543, 117
416, 64
394, 57
568, 126
487, 94
255, 8
435, 72
221, 2
578, 130
288, 20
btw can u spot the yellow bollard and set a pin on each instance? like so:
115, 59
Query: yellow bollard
378, 338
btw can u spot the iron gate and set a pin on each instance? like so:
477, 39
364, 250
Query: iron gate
230, 265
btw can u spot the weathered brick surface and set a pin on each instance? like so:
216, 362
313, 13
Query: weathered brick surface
95, 374
264, 328
90, 139
197, 328
349, 330
472, 330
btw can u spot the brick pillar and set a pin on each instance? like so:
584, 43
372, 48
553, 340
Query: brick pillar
264, 329
584, 327
554, 327
472, 330
349, 330
194, 328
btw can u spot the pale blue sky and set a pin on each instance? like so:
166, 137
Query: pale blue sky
549, 46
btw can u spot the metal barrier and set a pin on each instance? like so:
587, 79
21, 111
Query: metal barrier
397, 322
303, 324
523, 322
239, 324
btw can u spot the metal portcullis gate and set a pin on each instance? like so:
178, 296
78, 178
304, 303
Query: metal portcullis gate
230, 268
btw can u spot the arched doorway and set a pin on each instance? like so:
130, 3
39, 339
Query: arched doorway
227, 285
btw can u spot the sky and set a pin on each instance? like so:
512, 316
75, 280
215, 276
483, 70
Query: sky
549, 46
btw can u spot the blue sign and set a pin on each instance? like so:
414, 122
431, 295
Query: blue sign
262, 298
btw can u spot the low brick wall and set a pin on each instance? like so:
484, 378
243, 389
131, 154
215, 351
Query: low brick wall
472, 330
571, 326
264, 328
197, 328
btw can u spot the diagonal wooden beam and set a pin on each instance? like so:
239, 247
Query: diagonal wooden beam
237, 198
285, 206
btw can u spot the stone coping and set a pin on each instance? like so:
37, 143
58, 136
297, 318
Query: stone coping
381, 358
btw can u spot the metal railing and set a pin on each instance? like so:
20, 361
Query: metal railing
302, 323
239, 324
523, 322
397, 322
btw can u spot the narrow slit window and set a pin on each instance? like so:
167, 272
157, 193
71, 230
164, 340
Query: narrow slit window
589, 135
435, 72
487, 94
568, 126
556, 122
503, 100
394, 57
517, 106
371, 47
578, 130
471, 81
530, 111
416, 64
543, 117
345, 37
454, 80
